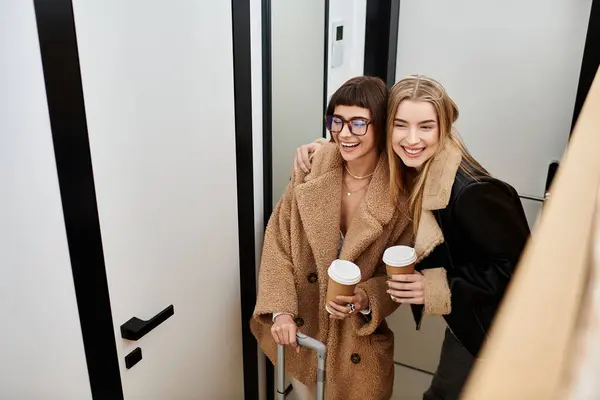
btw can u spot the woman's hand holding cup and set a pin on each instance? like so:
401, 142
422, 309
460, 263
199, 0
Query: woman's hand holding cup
407, 288
342, 296
284, 331
341, 309
404, 284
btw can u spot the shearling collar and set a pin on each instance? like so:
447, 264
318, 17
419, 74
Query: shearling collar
442, 173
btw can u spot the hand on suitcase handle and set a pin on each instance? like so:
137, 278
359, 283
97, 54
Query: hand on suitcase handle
284, 331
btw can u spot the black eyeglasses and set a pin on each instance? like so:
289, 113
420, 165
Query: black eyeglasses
357, 126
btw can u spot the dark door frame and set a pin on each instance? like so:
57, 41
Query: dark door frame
381, 39
64, 93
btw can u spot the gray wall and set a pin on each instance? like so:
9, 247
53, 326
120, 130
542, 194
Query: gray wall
298, 35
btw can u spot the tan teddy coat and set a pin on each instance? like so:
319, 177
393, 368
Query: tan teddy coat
301, 241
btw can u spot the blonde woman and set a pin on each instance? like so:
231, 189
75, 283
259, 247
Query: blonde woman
482, 220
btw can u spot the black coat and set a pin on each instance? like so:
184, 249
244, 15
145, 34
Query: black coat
485, 231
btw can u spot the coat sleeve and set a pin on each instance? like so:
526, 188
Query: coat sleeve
437, 286
437, 298
380, 302
493, 226
437, 292
276, 284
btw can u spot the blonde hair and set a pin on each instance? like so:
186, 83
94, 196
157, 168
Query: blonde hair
408, 180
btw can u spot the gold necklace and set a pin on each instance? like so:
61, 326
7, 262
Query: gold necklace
358, 177
350, 192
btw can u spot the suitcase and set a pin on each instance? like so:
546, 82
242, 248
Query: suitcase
309, 343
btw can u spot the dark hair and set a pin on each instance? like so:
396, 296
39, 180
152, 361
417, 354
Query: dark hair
366, 92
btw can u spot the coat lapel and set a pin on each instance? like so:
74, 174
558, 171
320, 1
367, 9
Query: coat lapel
319, 202
436, 195
429, 235
442, 173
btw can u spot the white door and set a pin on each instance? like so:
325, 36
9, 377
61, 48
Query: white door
41, 346
158, 86
512, 67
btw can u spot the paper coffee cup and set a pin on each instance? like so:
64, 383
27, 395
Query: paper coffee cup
400, 260
343, 277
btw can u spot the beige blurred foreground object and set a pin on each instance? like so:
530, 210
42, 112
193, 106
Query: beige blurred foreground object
581, 380
543, 328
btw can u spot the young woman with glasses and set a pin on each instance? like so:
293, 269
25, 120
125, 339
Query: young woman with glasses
341, 209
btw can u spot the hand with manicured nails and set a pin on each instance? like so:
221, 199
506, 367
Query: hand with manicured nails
407, 289
360, 301
303, 156
284, 331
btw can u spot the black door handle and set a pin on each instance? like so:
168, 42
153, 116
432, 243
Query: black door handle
135, 328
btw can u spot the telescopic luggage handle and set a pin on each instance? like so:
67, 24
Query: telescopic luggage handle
309, 343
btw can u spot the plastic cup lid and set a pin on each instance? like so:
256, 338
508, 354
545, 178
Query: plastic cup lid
399, 256
344, 272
